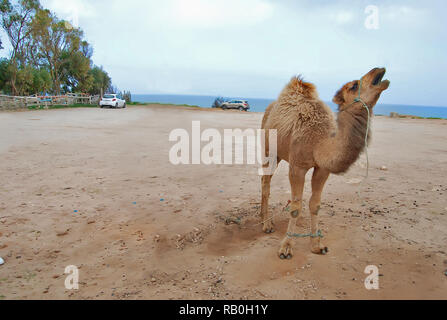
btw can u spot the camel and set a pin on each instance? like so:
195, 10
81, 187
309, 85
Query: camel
308, 136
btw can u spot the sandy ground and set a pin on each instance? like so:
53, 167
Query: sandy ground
85, 187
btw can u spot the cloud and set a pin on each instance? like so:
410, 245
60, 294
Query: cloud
342, 17
220, 13
71, 10
252, 47
174, 13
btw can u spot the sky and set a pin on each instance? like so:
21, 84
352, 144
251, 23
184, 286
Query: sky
251, 48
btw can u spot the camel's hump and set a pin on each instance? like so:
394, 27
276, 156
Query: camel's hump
306, 89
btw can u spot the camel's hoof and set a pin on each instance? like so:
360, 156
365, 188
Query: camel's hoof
321, 251
268, 228
283, 257
285, 252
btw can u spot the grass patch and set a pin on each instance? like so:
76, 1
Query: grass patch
411, 117
173, 104
29, 275
63, 106
79, 105
403, 116
162, 104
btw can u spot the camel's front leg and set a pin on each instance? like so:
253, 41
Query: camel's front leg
319, 178
297, 177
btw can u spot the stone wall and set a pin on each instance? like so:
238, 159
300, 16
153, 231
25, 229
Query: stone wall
16, 103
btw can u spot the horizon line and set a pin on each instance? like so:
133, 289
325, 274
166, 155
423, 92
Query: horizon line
273, 99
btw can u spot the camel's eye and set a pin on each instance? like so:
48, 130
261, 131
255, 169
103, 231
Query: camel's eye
355, 86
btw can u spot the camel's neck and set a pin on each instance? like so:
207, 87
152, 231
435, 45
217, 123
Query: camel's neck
340, 150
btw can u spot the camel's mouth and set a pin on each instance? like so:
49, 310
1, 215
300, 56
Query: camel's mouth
378, 79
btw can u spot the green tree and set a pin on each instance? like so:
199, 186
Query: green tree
4, 76
41, 81
47, 53
2, 9
101, 80
56, 43
24, 81
76, 69
16, 21
29, 80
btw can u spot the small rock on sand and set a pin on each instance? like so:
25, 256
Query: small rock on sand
2, 261
354, 181
383, 168
62, 233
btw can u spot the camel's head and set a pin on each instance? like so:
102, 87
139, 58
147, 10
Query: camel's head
372, 87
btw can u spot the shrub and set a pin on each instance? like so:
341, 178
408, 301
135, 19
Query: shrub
218, 102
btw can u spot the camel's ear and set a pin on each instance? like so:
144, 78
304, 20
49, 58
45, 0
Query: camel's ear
338, 99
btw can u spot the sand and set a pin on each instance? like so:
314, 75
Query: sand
94, 188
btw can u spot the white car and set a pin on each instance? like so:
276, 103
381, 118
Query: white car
112, 100
242, 105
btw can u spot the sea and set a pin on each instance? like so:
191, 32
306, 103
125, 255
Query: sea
259, 105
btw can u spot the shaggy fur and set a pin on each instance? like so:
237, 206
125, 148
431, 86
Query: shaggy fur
310, 137
299, 113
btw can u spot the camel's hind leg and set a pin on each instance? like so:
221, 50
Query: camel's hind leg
265, 215
297, 177
319, 178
